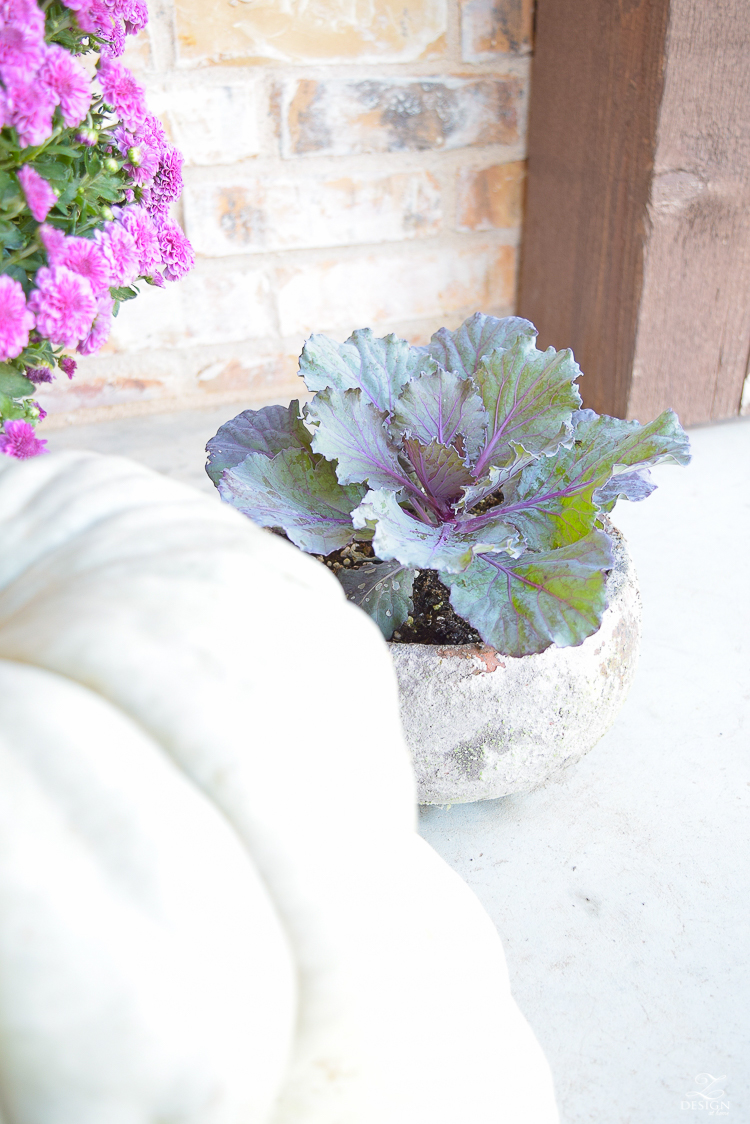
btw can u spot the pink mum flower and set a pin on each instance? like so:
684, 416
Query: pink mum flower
167, 185
142, 154
135, 15
53, 241
64, 305
120, 251
16, 321
123, 93
18, 440
140, 226
101, 327
96, 17
21, 36
39, 195
31, 107
176, 252
67, 83
83, 255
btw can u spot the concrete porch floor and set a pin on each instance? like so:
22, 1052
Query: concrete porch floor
622, 889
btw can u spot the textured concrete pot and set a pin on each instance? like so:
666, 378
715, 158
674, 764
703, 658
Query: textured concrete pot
482, 725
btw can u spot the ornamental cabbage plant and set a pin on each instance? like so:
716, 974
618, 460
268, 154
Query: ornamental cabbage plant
470, 457
87, 176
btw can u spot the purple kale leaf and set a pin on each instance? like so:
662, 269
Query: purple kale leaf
442, 406
555, 500
447, 546
439, 469
529, 396
267, 431
524, 605
351, 431
292, 493
470, 457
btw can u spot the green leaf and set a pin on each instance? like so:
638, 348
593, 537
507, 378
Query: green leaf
442, 406
289, 491
447, 547
67, 196
14, 384
111, 190
529, 396
18, 273
522, 606
377, 367
479, 336
382, 589
10, 196
11, 237
10, 410
554, 500
62, 150
124, 293
55, 172
267, 431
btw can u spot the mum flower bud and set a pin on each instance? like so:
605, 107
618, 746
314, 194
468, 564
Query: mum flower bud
111, 164
135, 156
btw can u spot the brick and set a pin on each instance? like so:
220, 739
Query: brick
253, 214
200, 309
251, 376
195, 377
90, 391
490, 198
210, 124
495, 27
138, 53
310, 30
355, 292
338, 117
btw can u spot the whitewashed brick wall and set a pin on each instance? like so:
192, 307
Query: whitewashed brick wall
347, 163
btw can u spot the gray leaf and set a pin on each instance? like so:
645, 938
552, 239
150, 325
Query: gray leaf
382, 589
378, 367
633, 486
462, 351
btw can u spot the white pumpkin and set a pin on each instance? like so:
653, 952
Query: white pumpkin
190, 635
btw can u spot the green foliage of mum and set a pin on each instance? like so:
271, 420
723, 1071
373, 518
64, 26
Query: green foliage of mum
471, 456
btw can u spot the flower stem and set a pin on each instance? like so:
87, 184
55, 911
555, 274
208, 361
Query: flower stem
20, 255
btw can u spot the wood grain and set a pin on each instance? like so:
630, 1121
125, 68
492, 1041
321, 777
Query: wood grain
595, 93
694, 324
636, 249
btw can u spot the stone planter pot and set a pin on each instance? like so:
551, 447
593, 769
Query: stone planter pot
481, 725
